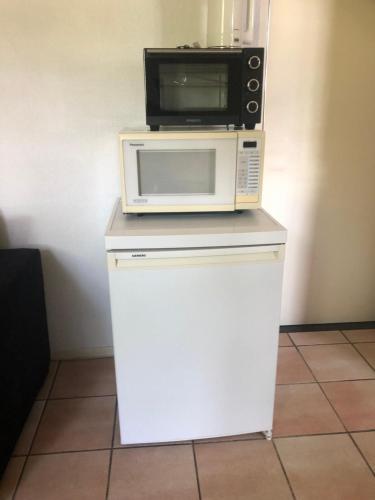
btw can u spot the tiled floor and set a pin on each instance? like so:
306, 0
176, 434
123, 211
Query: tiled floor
323, 446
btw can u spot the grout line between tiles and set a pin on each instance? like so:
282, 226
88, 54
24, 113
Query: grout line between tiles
64, 452
309, 435
333, 408
298, 383
325, 343
360, 452
347, 338
36, 431
83, 397
325, 395
196, 471
329, 381
283, 468
362, 356
111, 452
338, 380
307, 366
292, 341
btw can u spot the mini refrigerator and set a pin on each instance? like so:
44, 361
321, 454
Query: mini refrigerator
195, 304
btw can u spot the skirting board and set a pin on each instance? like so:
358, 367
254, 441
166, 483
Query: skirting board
361, 325
95, 352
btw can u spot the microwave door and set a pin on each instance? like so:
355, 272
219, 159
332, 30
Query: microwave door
193, 89
180, 175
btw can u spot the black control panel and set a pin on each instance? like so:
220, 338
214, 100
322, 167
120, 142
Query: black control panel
252, 86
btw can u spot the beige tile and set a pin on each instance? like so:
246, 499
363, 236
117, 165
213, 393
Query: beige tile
336, 362
240, 470
326, 467
291, 368
90, 377
160, 472
367, 349
67, 476
284, 340
44, 391
24, 441
76, 424
9, 480
303, 409
366, 443
360, 335
354, 402
324, 337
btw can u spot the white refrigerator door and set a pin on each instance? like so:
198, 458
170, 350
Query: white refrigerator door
195, 340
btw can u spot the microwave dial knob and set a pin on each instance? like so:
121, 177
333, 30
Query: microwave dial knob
254, 62
252, 107
253, 85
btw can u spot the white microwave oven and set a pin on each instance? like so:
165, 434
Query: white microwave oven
191, 171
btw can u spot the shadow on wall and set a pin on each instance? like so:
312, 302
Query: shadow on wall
341, 285
71, 306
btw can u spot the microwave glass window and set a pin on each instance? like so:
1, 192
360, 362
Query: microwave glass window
176, 172
189, 87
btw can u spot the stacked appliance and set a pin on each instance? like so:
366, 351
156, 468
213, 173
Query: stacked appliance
195, 284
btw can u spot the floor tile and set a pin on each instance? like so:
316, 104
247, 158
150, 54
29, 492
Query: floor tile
360, 335
284, 340
89, 377
303, 409
326, 467
67, 476
24, 441
291, 368
160, 472
366, 443
336, 362
354, 402
76, 424
240, 470
324, 337
367, 349
9, 480
44, 391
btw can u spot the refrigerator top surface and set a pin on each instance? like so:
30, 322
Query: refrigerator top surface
252, 227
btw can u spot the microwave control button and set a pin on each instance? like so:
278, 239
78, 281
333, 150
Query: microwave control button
254, 62
252, 107
252, 86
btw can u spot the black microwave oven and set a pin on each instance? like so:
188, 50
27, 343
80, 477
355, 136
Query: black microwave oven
215, 86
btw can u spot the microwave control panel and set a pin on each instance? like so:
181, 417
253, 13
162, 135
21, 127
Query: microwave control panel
248, 167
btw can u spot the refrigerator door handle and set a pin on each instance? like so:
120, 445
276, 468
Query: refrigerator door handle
183, 258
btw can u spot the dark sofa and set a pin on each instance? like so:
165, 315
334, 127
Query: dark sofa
24, 345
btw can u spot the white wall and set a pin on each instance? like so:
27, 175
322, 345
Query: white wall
320, 156
71, 78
